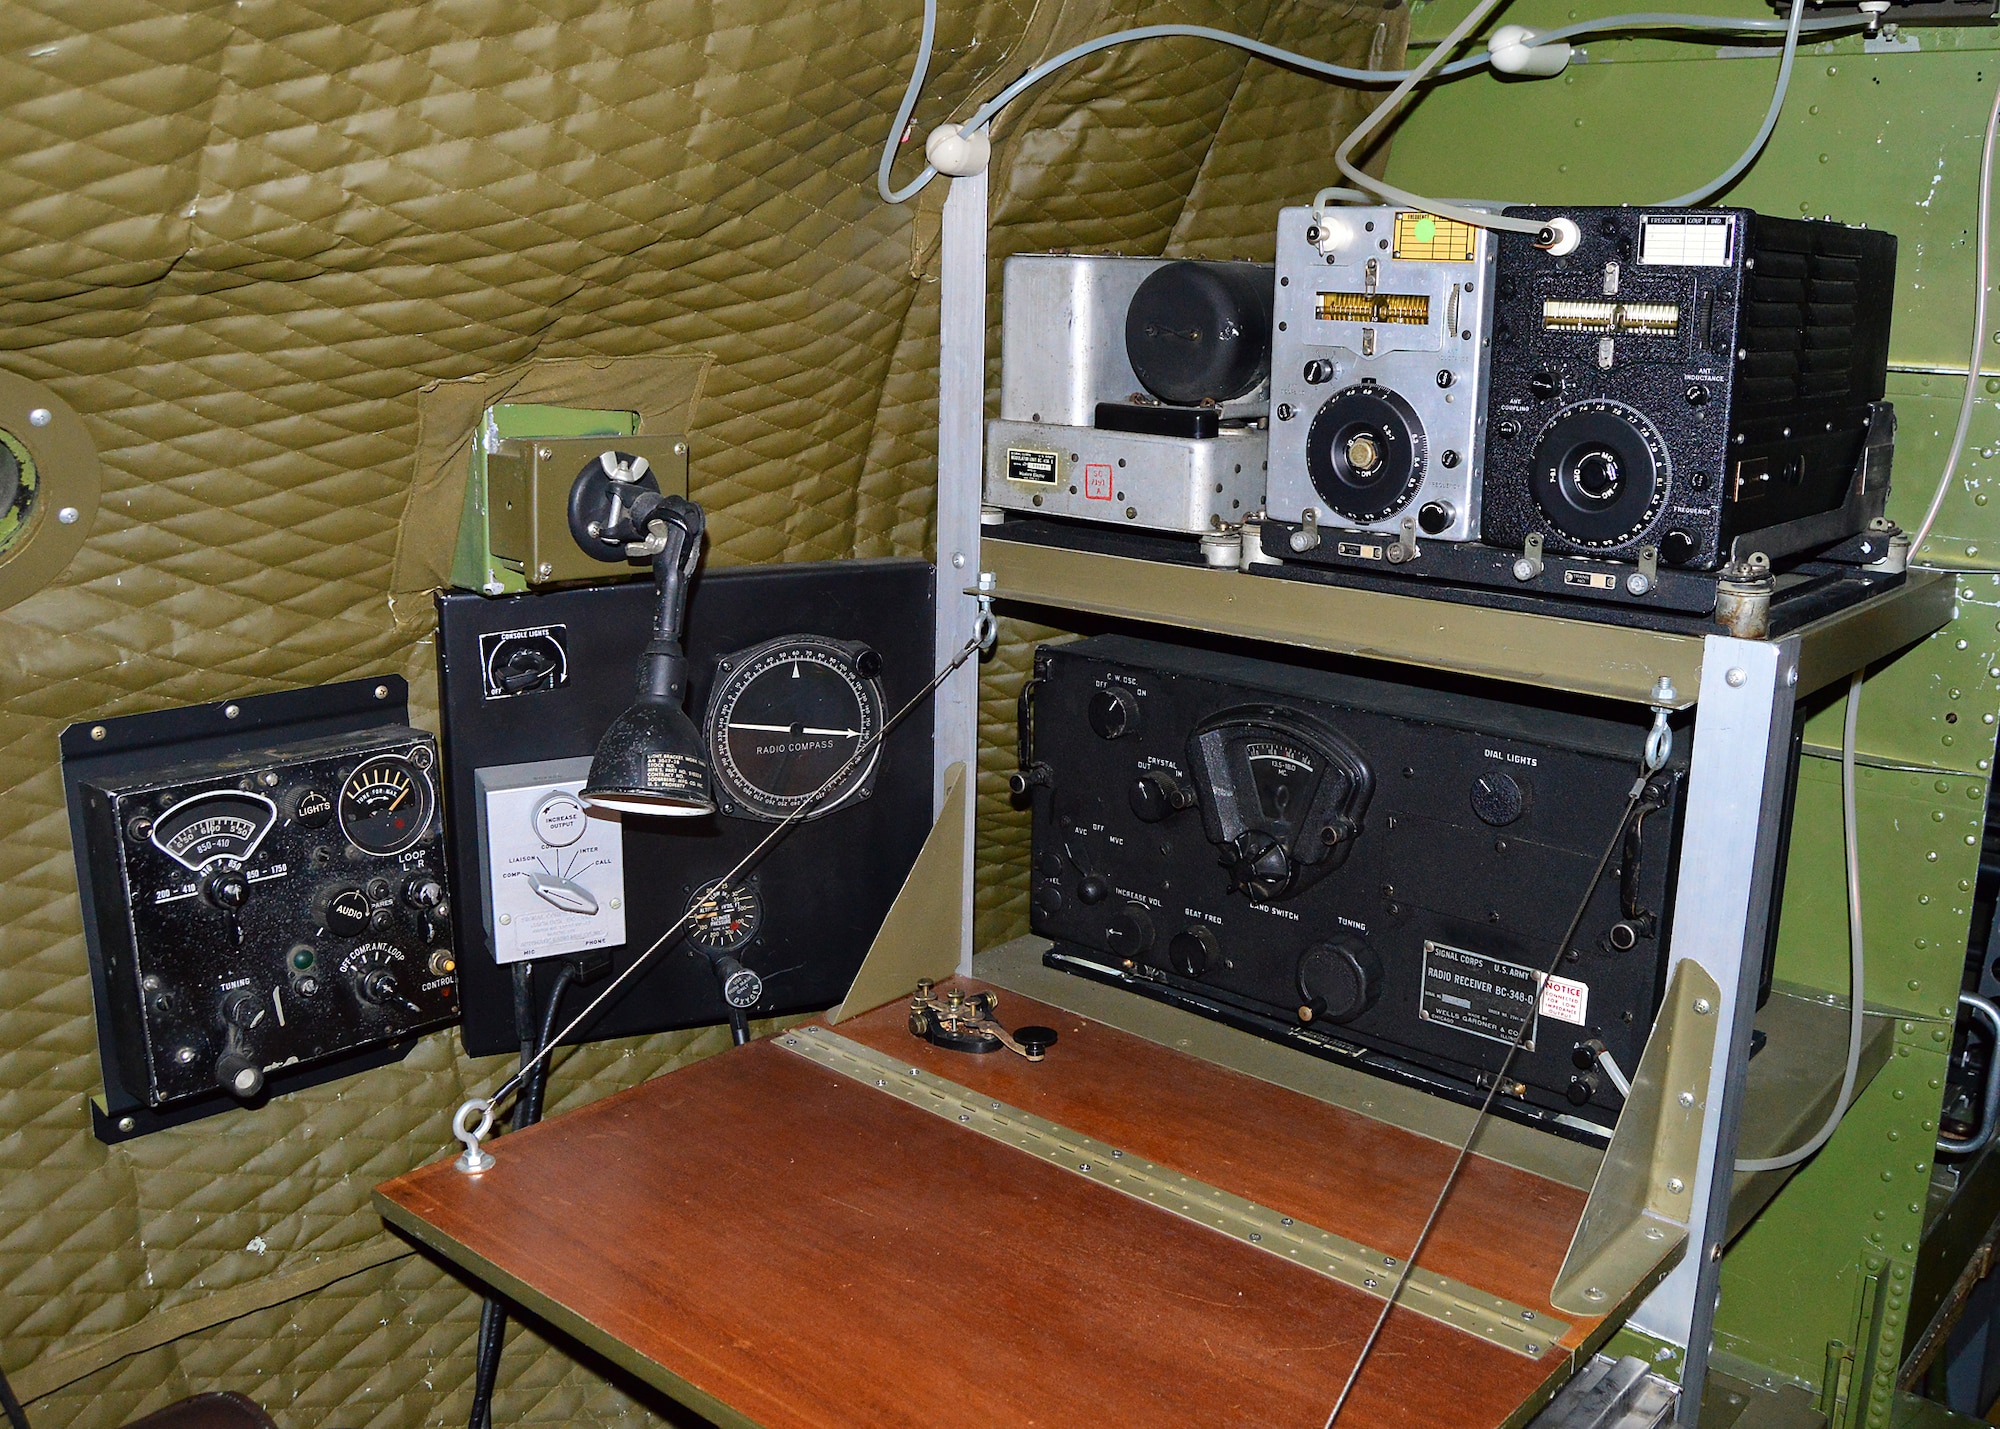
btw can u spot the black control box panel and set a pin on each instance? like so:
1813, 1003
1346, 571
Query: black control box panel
1377, 873
262, 908
1675, 378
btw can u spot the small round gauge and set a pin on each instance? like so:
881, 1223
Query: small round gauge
787, 718
723, 917
221, 824
386, 805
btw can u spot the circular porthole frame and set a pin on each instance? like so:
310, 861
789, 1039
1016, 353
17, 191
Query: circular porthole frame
67, 478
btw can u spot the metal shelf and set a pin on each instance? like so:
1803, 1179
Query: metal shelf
1581, 656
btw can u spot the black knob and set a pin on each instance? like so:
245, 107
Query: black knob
1697, 395
741, 988
312, 808
1446, 377
1583, 1056
1093, 889
1114, 712
345, 911
1319, 370
1544, 386
1508, 428
423, 891
378, 988
1048, 899
1498, 799
1434, 516
1192, 950
227, 889
1035, 1040
1677, 548
1259, 866
238, 1075
1448, 459
1156, 794
1338, 980
1581, 1088
1130, 932
242, 1008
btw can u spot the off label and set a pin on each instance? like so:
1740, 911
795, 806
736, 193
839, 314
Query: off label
1031, 467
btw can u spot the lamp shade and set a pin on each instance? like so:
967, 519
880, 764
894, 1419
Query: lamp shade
651, 761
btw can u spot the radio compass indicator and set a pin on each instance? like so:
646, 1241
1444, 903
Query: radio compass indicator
222, 824
789, 715
386, 805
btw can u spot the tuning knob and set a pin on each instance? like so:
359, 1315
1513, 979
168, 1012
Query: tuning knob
1193, 950
227, 889
1259, 866
1156, 794
1338, 980
1130, 933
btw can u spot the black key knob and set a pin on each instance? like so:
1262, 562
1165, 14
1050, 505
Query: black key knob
423, 891
1114, 712
1338, 979
227, 889
1319, 370
1157, 794
1193, 950
1544, 385
1093, 889
1130, 932
238, 1075
1035, 1040
345, 911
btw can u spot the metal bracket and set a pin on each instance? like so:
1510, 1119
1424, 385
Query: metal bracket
1530, 564
1406, 548
1647, 577
1635, 1225
1306, 538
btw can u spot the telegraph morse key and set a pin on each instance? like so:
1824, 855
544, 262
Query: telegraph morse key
1378, 376
964, 1022
1133, 392
1688, 385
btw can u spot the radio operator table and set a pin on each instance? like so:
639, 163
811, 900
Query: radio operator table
778, 1241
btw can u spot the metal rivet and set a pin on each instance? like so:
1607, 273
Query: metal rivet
381, 692
493, 588
40, 417
506, 919
1703, 1006
1369, 1282
1117, 1156
184, 1055
1533, 1348
1735, 678
69, 515
231, 711
1676, 1185
98, 731
545, 570
1527, 1314
680, 448
1686, 1098
958, 561
1256, 1236
1283, 1220
126, 1123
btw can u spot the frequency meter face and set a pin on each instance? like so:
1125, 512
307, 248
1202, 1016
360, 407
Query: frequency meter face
787, 717
385, 805
725, 917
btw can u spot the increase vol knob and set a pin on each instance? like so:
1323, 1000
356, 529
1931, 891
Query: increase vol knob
1130, 933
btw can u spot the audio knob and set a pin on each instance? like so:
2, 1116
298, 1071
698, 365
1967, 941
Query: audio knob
1193, 950
345, 911
1338, 980
1156, 794
1130, 933
227, 890
1114, 712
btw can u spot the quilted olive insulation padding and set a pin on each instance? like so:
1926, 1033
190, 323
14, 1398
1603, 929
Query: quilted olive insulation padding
241, 237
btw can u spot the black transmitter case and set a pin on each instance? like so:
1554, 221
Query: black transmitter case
1695, 381
1377, 873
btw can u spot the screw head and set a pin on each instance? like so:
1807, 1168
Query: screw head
1676, 1185
680, 448
231, 711
40, 417
184, 1055
1736, 678
545, 570
1524, 569
98, 731
69, 515
1703, 1006
1686, 1099
126, 1123
1637, 583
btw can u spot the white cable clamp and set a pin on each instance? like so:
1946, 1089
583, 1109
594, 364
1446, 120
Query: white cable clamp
954, 155
473, 1160
1513, 50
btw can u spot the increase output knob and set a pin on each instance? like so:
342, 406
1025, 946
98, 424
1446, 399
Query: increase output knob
1338, 980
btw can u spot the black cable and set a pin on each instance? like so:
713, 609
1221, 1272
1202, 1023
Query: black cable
527, 1111
16, 1416
739, 1025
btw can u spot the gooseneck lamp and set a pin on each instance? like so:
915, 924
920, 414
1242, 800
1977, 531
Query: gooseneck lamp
652, 759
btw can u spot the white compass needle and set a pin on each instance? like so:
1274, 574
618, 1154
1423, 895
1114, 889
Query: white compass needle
787, 729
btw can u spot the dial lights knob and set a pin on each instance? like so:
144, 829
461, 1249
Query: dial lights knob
1498, 799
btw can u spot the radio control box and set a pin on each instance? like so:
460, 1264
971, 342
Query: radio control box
553, 867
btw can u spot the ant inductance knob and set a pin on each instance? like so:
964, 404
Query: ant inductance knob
1339, 979
1130, 933
227, 889
238, 1075
1157, 794
1193, 951
1114, 712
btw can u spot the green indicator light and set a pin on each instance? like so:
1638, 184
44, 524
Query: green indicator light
302, 958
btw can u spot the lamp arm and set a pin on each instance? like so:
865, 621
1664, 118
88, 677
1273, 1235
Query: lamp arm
677, 523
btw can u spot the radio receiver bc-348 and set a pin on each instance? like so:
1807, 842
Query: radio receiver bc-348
1373, 872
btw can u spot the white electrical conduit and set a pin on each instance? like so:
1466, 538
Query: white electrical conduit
1343, 73
1972, 362
1856, 963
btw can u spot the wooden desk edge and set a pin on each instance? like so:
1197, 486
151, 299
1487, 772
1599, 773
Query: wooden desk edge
429, 1237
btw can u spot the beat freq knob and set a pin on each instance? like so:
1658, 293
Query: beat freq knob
1193, 950
1157, 794
1338, 980
1130, 932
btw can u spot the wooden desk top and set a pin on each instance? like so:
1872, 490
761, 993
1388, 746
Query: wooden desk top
776, 1244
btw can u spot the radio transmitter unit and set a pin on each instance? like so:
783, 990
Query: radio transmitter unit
1378, 374
1133, 391
1376, 873
1693, 383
